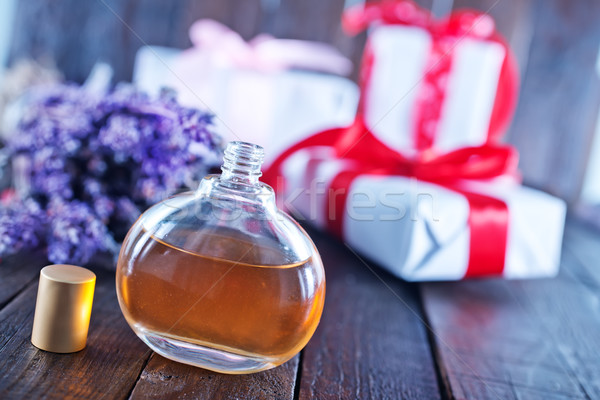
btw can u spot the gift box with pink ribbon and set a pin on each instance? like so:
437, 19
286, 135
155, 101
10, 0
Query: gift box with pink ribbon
268, 91
420, 182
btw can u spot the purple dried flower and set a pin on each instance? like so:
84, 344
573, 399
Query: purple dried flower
104, 206
75, 232
127, 211
93, 163
122, 134
21, 226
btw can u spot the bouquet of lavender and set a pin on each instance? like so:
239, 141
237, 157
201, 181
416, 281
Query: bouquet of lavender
87, 164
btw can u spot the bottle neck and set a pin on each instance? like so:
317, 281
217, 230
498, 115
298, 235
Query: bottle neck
241, 164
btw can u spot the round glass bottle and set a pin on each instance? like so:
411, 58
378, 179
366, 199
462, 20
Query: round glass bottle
221, 278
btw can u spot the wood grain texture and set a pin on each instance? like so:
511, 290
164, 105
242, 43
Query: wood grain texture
107, 368
166, 379
560, 94
113, 31
74, 34
315, 20
371, 342
493, 339
16, 272
536, 339
582, 246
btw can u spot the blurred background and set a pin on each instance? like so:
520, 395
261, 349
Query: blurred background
556, 42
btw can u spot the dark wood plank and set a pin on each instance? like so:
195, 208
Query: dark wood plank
582, 244
292, 19
242, 16
18, 271
74, 35
166, 379
557, 112
107, 368
44, 29
371, 342
315, 20
519, 339
112, 31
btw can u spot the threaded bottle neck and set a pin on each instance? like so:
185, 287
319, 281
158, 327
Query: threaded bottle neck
241, 163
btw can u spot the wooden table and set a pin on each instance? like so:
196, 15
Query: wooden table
379, 338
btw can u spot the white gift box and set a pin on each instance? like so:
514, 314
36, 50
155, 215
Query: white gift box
400, 55
437, 94
273, 109
418, 230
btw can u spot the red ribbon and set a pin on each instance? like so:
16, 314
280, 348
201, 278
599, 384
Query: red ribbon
444, 32
488, 216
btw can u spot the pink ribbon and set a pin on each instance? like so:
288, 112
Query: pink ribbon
264, 52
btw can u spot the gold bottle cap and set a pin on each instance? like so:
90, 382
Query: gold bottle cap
63, 308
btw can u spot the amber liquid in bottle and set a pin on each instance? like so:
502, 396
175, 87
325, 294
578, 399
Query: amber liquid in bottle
249, 301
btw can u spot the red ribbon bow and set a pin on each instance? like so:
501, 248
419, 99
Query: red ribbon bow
488, 216
445, 32
404, 12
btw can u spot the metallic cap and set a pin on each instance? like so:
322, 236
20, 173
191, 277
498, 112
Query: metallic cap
63, 308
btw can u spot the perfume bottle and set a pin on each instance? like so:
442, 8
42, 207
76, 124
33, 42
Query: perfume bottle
221, 278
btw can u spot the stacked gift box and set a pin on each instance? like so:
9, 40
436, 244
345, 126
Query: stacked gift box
420, 182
